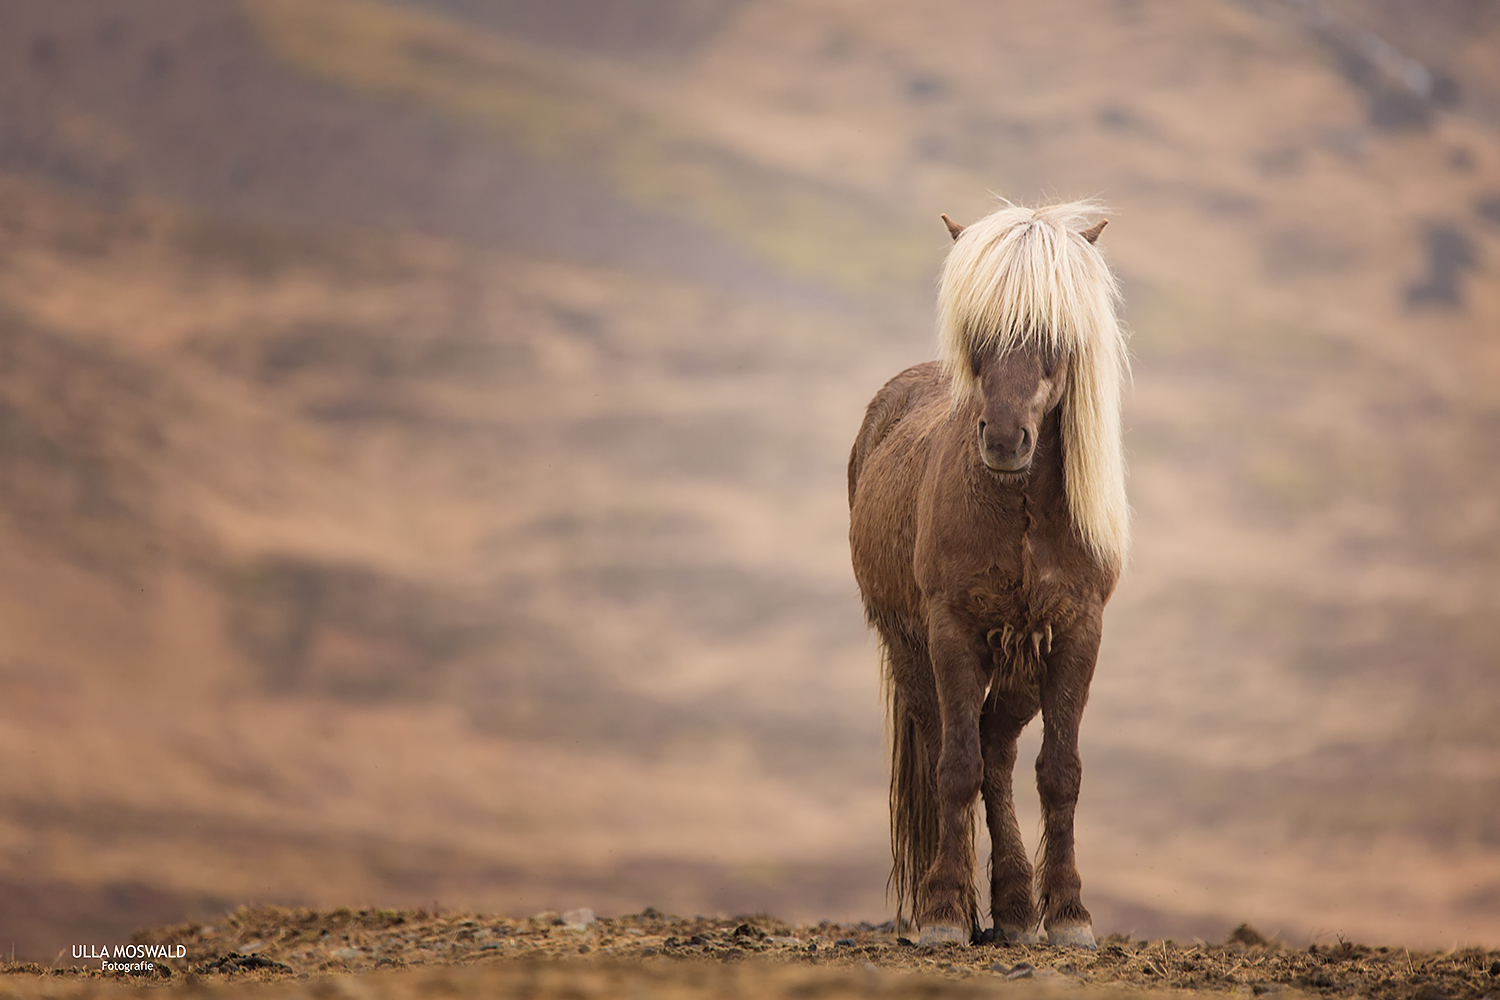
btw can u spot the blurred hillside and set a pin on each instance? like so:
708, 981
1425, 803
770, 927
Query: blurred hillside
422, 431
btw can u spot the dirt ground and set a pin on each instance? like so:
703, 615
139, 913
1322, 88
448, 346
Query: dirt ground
276, 952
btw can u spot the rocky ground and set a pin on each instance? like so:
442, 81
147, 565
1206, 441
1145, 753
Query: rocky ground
276, 951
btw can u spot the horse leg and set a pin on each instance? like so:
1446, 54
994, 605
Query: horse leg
1059, 774
950, 908
1012, 906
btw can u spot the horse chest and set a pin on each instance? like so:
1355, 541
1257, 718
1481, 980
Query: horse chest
1023, 595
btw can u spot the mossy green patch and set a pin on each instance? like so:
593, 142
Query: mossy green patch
801, 224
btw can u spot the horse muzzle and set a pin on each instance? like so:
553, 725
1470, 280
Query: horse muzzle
1006, 453
1011, 466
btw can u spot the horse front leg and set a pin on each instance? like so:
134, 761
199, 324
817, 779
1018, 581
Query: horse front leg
1059, 775
950, 905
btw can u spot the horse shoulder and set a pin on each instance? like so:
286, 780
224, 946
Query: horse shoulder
885, 472
895, 400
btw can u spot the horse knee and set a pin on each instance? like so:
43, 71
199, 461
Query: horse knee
959, 777
1059, 781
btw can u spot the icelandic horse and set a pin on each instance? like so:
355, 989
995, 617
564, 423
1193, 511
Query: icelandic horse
988, 526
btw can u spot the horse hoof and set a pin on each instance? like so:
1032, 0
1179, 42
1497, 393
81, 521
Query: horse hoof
1072, 937
1016, 935
943, 934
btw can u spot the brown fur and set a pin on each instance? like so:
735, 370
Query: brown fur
989, 605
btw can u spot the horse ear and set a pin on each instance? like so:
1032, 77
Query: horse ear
954, 229
1092, 232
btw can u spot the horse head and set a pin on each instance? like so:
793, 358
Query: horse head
1017, 389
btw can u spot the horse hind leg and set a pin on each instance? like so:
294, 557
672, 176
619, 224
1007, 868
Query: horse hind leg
1013, 907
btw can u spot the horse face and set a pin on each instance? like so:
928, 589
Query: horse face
1017, 389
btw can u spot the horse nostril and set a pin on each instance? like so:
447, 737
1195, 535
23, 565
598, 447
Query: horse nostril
1025, 440
981, 425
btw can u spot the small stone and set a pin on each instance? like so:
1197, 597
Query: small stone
870, 968
1021, 970
579, 919
1247, 935
844, 943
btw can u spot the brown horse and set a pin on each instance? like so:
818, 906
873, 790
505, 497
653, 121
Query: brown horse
988, 524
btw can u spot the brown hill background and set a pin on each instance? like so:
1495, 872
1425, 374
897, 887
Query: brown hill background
422, 431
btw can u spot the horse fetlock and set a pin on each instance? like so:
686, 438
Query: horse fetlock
947, 904
1013, 908
1081, 936
1015, 934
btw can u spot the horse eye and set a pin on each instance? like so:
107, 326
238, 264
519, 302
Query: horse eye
975, 363
1050, 357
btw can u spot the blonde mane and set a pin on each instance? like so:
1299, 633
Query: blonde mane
1023, 277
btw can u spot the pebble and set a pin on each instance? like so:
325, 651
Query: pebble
579, 919
1022, 970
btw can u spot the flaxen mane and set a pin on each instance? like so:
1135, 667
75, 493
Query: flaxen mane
1028, 277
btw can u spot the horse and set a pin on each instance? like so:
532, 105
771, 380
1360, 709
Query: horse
988, 526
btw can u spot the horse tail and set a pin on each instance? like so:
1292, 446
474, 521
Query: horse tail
914, 804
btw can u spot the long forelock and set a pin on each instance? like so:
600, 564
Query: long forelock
1025, 278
